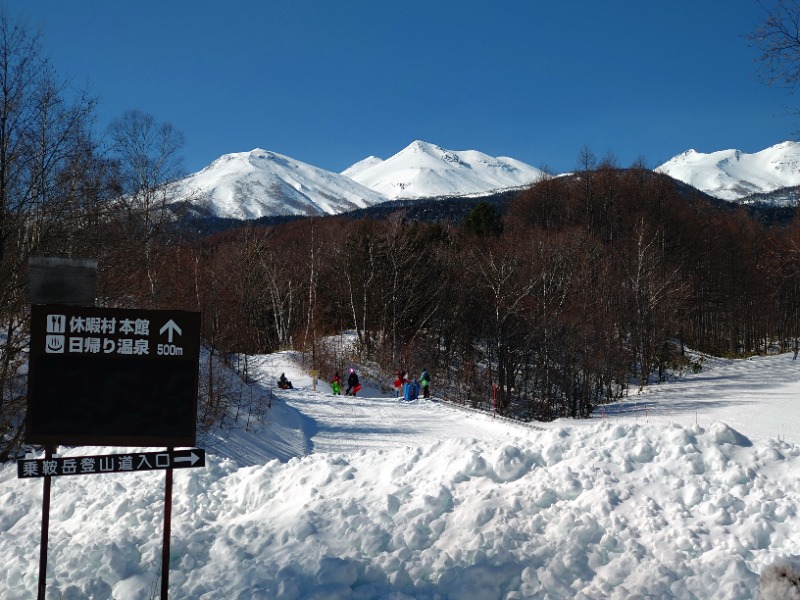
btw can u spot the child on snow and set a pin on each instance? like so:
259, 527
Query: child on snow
424, 381
398, 383
284, 383
352, 383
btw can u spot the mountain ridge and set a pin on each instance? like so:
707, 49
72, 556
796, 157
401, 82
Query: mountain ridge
734, 175
261, 183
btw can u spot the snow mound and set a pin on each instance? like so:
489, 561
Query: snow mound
375, 498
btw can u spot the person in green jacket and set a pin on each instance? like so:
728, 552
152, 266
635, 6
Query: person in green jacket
424, 381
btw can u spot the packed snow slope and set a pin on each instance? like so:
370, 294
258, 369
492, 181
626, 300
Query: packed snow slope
424, 170
249, 185
689, 490
732, 174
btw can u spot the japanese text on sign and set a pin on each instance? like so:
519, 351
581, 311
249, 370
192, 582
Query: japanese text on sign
110, 463
95, 335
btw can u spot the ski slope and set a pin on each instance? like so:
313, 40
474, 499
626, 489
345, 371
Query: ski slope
688, 490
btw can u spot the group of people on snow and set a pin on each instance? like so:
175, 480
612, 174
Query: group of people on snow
409, 386
284, 383
353, 385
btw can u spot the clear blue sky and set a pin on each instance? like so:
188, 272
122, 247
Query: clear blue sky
331, 82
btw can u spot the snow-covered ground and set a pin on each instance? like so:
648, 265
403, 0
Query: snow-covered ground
689, 490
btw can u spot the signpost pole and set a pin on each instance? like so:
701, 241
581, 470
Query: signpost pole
48, 454
167, 528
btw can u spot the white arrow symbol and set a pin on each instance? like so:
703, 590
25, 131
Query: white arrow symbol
170, 327
192, 458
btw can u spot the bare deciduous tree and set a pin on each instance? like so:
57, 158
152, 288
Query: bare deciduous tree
43, 136
778, 39
147, 155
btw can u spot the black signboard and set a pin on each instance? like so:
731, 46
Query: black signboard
110, 463
112, 377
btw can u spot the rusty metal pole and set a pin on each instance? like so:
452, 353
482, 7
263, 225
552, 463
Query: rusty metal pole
167, 528
48, 454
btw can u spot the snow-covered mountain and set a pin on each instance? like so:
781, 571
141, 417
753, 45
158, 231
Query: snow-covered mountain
259, 183
249, 185
424, 170
733, 174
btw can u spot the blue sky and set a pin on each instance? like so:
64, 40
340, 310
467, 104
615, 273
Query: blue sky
332, 82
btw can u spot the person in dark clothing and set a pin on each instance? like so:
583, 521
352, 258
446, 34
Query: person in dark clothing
352, 383
284, 383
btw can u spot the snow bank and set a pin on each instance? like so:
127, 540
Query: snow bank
480, 510
609, 511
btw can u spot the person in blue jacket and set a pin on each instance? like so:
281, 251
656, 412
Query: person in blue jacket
411, 390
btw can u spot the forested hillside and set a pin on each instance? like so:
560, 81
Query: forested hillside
585, 285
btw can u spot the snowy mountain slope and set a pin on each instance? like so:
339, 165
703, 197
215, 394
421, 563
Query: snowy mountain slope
781, 197
424, 170
249, 185
733, 175
353, 171
260, 183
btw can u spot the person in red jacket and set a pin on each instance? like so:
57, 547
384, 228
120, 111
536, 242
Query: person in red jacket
398, 384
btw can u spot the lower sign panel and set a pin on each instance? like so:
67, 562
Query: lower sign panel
111, 463
76, 407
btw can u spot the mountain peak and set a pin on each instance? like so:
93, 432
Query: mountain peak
421, 146
361, 165
424, 170
734, 174
258, 183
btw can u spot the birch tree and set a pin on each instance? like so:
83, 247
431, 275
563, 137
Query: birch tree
147, 155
